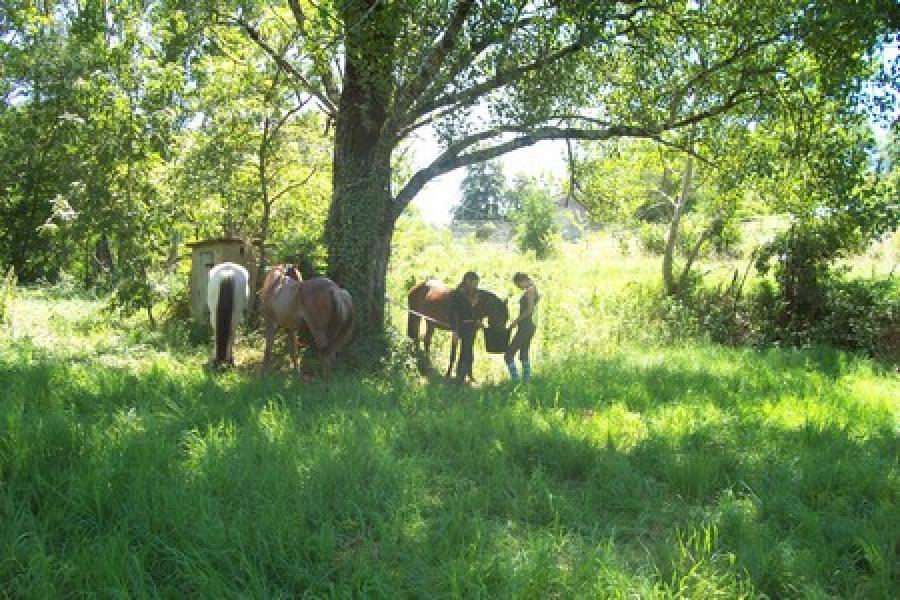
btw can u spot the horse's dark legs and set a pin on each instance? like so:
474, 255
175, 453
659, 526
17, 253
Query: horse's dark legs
327, 360
270, 340
292, 348
454, 342
429, 331
412, 329
229, 357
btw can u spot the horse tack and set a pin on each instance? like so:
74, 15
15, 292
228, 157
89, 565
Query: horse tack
427, 318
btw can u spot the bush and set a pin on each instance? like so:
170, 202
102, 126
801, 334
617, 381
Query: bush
723, 241
304, 249
536, 226
7, 293
856, 315
485, 231
652, 237
862, 315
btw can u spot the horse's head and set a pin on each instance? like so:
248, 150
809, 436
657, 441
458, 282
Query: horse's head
293, 273
491, 306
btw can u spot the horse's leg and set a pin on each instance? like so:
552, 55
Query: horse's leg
321, 342
270, 339
327, 360
429, 331
231, 337
292, 348
412, 329
454, 341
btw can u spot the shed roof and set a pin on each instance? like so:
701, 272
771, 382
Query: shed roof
214, 242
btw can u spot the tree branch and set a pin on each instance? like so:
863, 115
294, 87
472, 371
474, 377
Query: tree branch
453, 157
324, 69
295, 185
435, 59
472, 94
327, 105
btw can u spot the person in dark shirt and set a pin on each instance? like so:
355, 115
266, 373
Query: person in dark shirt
462, 320
525, 327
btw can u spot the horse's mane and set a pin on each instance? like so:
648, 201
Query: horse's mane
487, 298
275, 276
489, 294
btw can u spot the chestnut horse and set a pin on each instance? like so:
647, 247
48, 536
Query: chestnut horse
227, 292
430, 300
318, 306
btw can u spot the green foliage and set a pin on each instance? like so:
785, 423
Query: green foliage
858, 315
305, 249
652, 237
854, 314
484, 194
723, 241
536, 226
7, 294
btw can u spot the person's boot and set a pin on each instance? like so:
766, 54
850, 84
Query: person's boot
526, 371
513, 374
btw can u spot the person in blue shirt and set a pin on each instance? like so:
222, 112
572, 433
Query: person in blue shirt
525, 327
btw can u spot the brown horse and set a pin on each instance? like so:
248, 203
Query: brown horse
430, 300
318, 306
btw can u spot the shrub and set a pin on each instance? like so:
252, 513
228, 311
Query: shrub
652, 237
7, 293
304, 249
536, 226
862, 315
856, 315
485, 231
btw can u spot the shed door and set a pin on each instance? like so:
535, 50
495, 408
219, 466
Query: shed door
203, 262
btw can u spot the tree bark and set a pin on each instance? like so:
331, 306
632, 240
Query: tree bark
669, 281
361, 221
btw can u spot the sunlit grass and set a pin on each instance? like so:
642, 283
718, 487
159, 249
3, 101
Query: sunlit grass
623, 470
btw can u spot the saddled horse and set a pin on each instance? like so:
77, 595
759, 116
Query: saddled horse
317, 306
227, 293
430, 300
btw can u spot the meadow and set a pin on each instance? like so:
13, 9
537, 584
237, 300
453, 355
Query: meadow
633, 465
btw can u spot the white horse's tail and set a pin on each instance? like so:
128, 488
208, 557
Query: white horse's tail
226, 297
224, 317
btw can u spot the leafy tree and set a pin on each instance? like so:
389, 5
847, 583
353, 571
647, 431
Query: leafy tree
257, 158
536, 226
537, 70
483, 193
838, 204
92, 108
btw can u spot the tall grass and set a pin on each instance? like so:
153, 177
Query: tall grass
624, 469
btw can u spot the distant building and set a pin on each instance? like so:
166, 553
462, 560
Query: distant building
571, 216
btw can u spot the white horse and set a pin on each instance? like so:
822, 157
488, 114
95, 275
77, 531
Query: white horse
226, 296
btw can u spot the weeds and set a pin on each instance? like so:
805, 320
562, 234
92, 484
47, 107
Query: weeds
623, 470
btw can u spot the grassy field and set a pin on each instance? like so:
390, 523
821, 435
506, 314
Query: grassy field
627, 468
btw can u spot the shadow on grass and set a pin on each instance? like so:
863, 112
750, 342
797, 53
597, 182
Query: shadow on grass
174, 482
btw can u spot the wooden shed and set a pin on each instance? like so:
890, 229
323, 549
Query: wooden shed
206, 254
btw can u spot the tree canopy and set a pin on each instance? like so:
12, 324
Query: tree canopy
124, 109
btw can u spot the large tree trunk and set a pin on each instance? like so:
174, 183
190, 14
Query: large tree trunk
360, 220
360, 225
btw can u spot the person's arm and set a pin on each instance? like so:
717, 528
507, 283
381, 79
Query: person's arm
527, 310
